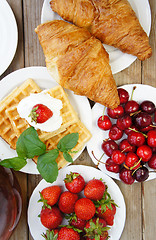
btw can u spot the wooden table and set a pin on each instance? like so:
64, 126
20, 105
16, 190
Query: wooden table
139, 198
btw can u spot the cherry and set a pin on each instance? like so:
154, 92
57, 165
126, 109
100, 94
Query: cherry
152, 162
131, 106
144, 152
118, 157
131, 159
128, 130
125, 146
124, 122
111, 166
115, 133
142, 120
155, 116
109, 146
146, 129
126, 176
141, 174
104, 122
136, 138
151, 138
154, 149
148, 106
123, 95
116, 112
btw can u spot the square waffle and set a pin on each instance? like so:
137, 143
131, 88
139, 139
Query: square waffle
84, 136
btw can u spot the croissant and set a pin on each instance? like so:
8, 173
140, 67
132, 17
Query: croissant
78, 61
112, 21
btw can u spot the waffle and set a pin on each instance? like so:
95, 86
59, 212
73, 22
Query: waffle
7, 131
84, 136
67, 113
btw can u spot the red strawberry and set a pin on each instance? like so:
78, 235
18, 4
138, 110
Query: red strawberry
67, 202
74, 182
40, 113
96, 227
94, 189
108, 212
51, 235
66, 233
84, 209
51, 218
76, 222
50, 195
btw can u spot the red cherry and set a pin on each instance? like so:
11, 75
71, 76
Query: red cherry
111, 166
142, 120
136, 138
131, 106
131, 159
151, 138
146, 129
148, 106
152, 162
118, 157
109, 146
126, 176
124, 122
104, 122
115, 133
116, 112
125, 146
123, 95
141, 174
144, 152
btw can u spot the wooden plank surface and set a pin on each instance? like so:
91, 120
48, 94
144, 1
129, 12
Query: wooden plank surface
139, 198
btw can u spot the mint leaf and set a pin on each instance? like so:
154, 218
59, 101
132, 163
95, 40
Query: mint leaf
29, 145
47, 165
67, 157
68, 142
16, 163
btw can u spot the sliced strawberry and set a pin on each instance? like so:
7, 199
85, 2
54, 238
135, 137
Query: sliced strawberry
40, 113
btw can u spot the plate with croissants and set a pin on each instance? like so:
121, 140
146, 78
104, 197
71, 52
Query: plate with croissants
122, 26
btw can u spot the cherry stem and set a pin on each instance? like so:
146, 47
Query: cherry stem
152, 126
135, 113
99, 160
136, 169
152, 171
103, 113
133, 92
138, 132
125, 166
125, 149
136, 164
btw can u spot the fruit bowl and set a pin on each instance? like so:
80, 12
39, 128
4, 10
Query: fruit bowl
88, 173
141, 93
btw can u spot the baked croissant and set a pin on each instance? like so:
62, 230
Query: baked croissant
78, 61
112, 21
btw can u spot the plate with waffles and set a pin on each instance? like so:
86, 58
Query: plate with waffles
76, 114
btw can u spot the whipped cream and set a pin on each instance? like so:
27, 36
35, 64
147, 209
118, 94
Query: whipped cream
55, 105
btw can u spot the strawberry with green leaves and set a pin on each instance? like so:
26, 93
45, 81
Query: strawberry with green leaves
51, 234
68, 233
74, 182
51, 218
94, 189
76, 222
50, 195
84, 209
96, 229
40, 113
67, 202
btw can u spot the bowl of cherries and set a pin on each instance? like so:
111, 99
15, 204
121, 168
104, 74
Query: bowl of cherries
124, 139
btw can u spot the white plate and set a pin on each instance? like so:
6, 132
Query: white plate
45, 81
34, 209
8, 35
118, 59
141, 93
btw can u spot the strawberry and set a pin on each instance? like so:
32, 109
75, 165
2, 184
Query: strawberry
51, 218
94, 189
67, 202
74, 182
40, 113
50, 195
76, 222
84, 209
51, 235
96, 229
67, 233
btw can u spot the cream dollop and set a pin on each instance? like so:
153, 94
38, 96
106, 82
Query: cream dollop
55, 105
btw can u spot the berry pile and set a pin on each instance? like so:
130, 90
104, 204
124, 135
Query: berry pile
88, 216
134, 129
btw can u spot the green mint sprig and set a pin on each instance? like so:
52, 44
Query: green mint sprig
29, 145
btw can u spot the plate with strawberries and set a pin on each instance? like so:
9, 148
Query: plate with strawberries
124, 139
82, 201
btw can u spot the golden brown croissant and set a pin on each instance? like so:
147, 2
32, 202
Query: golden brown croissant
78, 61
112, 21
